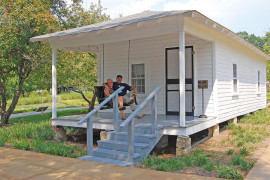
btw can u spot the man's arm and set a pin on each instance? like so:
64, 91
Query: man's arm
134, 89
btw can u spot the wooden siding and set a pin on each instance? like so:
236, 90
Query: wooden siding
248, 99
151, 52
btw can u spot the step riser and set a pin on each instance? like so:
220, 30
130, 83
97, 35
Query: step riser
112, 156
143, 130
124, 147
123, 137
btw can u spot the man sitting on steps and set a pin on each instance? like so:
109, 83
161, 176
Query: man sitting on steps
127, 98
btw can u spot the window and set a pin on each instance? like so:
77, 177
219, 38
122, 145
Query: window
138, 77
235, 81
259, 82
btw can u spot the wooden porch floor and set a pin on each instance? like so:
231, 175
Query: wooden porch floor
169, 123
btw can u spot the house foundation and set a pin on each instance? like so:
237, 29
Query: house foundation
102, 135
163, 142
59, 133
234, 120
213, 131
183, 145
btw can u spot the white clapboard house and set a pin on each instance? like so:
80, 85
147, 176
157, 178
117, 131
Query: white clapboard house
168, 56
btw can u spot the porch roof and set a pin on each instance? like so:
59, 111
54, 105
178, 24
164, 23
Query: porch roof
135, 18
139, 18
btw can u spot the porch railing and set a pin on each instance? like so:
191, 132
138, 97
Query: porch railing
130, 121
89, 119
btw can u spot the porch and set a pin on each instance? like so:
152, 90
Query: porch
169, 123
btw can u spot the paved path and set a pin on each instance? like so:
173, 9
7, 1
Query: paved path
261, 169
18, 164
47, 111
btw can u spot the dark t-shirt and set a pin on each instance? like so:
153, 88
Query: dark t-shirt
124, 91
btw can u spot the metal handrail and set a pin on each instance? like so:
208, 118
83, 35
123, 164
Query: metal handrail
100, 105
140, 107
89, 119
130, 122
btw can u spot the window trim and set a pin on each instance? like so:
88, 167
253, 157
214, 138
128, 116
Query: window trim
145, 82
237, 80
259, 83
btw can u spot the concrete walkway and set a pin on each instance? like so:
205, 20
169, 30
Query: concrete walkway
18, 164
261, 169
47, 111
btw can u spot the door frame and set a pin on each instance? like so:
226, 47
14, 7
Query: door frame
166, 81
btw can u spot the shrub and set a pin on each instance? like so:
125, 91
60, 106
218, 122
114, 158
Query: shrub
229, 172
209, 166
244, 152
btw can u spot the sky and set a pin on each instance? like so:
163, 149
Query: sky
252, 16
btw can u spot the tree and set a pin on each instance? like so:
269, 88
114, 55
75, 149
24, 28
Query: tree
75, 69
262, 43
21, 20
253, 39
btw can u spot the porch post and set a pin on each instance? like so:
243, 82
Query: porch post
54, 80
182, 110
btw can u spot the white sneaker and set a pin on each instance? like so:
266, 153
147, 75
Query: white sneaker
140, 116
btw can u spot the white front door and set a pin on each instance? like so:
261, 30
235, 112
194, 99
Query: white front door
172, 81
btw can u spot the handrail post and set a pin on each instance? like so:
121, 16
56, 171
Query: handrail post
130, 141
90, 136
115, 113
154, 113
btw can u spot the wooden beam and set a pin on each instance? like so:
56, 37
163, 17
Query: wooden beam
159, 20
139, 24
54, 85
118, 28
100, 31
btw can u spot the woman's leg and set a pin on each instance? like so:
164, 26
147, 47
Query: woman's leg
121, 104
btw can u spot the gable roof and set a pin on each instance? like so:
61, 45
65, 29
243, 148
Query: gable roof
145, 16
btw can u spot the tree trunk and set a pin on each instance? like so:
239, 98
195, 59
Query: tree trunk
5, 115
4, 119
91, 103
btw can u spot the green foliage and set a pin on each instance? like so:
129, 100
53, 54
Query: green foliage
230, 152
209, 166
244, 151
35, 133
242, 163
253, 39
229, 172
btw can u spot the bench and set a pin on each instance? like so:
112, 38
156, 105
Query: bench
99, 92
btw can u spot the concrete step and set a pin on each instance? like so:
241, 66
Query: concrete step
123, 136
106, 160
121, 145
113, 154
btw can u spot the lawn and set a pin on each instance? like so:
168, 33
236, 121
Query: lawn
35, 133
33, 107
230, 155
33, 100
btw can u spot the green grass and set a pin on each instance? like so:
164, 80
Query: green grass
35, 133
251, 130
33, 107
229, 172
46, 116
268, 96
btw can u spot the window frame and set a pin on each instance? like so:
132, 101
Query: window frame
235, 78
131, 76
259, 81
